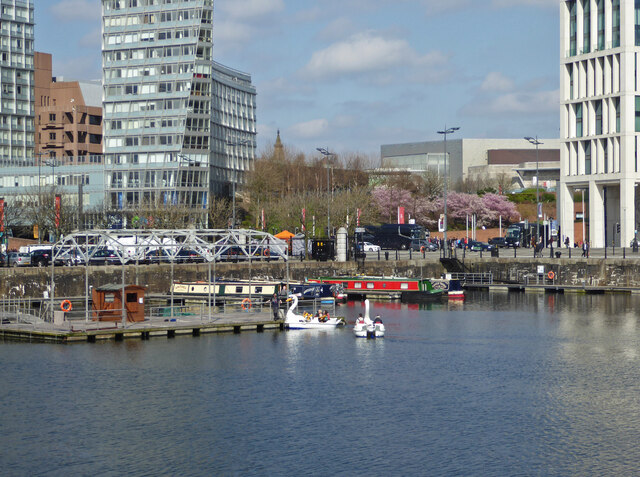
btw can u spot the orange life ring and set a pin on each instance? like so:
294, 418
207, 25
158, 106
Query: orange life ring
422, 249
66, 306
551, 275
266, 252
246, 304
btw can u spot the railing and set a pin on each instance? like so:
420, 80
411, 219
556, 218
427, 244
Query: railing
474, 278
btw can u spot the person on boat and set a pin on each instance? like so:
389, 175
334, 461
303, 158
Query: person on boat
377, 319
275, 306
360, 319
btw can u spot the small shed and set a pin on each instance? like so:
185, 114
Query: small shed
107, 302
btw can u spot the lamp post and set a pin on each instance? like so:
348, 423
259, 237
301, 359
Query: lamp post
53, 164
234, 144
39, 156
536, 142
325, 152
444, 132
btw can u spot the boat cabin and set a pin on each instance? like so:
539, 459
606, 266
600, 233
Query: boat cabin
107, 302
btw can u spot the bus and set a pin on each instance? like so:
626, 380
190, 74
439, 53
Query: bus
393, 236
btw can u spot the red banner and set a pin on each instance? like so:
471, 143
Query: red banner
262, 216
1, 215
304, 219
57, 209
401, 215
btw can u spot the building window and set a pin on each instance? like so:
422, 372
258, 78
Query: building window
637, 21
573, 31
586, 27
599, 117
600, 4
587, 158
615, 20
579, 120
616, 105
637, 113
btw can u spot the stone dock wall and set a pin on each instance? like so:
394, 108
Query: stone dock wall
70, 281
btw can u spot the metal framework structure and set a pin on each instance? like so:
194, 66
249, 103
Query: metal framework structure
211, 244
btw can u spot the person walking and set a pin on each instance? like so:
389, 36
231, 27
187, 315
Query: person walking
275, 306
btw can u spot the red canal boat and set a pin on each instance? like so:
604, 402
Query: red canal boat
402, 288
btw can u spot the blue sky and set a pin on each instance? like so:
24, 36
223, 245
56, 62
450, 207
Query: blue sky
351, 75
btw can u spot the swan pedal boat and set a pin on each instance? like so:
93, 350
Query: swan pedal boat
293, 321
368, 328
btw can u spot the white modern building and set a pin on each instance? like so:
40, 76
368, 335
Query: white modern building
600, 116
159, 96
16, 81
473, 158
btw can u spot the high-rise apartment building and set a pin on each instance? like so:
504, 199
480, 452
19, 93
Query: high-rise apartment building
600, 117
16, 81
158, 102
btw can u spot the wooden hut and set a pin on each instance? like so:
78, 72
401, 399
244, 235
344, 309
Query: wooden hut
107, 302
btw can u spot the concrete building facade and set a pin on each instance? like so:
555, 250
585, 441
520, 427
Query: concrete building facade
68, 117
470, 159
600, 116
16, 81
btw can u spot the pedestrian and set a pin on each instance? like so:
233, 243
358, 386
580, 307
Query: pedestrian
584, 249
566, 242
275, 306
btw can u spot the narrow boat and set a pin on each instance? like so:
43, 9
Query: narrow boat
365, 327
306, 321
256, 290
402, 288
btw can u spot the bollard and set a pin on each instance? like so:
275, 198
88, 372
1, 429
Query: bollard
514, 251
423, 254
396, 254
569, 252
386, 255
378, 255
624, 252
410, 250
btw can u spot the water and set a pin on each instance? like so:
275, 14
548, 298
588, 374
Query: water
504, 384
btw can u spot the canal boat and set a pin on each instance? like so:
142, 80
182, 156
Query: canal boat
366, 327
307, 321
256, 290
394, 288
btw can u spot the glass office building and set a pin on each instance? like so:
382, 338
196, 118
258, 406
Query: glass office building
158, 98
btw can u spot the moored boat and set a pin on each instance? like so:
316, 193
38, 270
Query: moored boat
403, 288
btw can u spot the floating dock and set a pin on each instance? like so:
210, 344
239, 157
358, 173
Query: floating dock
29, 328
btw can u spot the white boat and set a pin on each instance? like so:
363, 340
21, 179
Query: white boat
306, 321
366, 327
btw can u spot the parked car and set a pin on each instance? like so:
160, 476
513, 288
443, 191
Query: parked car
476, 246
70, 258
19, 259
369, 247
41, 257
500, 242
416, 245
104, 256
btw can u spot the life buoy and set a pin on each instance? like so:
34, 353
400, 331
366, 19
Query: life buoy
66, 306
246, 304
422, 249
266, 252
551, 275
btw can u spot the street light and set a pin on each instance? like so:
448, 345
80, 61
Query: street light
39, 156
444, 132
536, 142
233, 144
325, 152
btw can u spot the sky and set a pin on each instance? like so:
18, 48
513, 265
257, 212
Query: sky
352, 75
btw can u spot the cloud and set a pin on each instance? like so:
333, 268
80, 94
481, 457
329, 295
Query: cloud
496, 82
518, 3
73, 10
249, 9
371, 54
92, 39
515, 103
80, 68
310, 129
